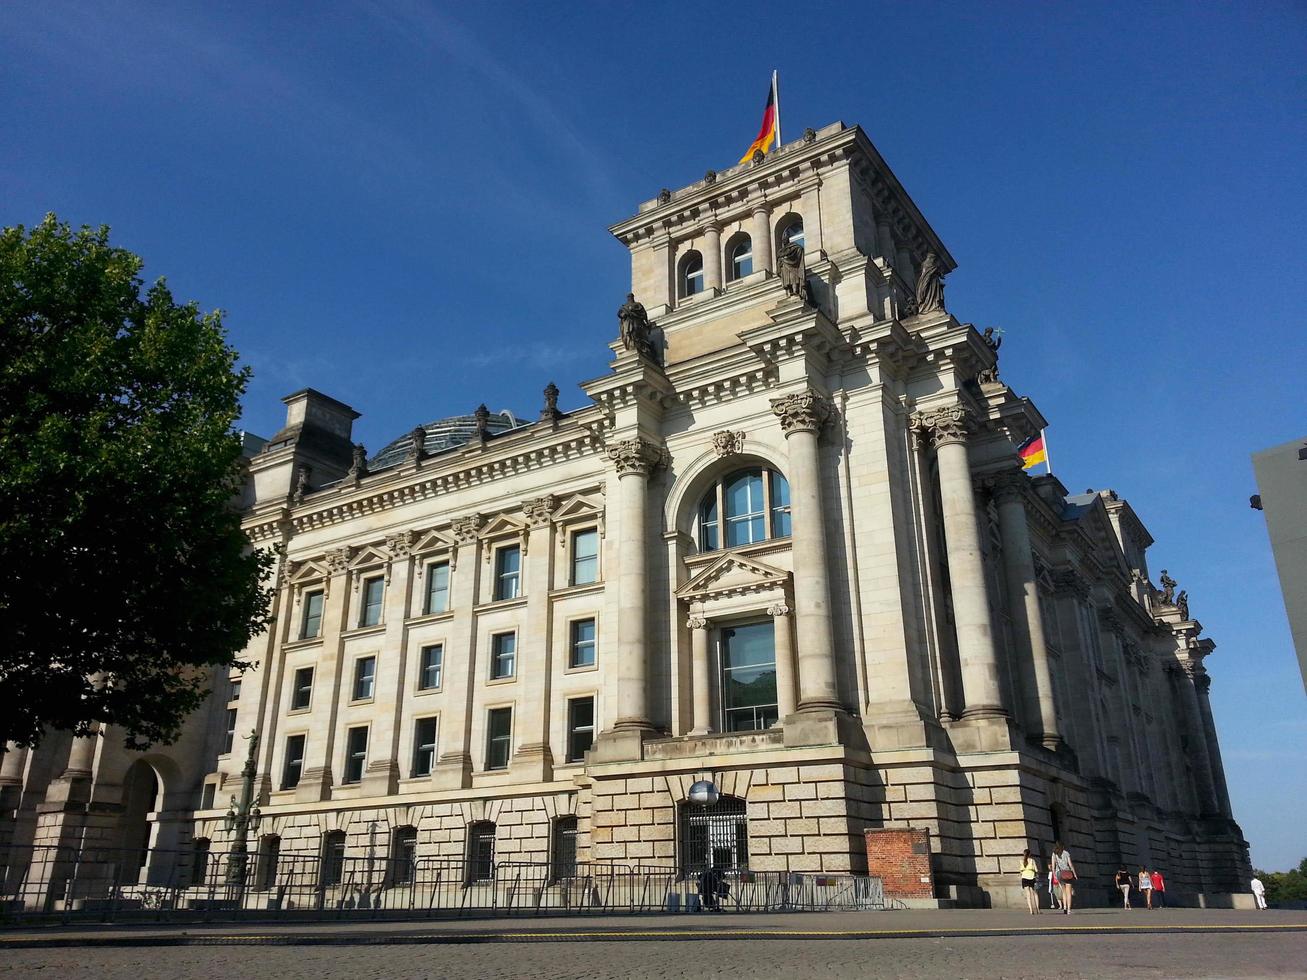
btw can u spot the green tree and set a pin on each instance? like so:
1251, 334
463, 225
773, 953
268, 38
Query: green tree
1285, 886
126, 577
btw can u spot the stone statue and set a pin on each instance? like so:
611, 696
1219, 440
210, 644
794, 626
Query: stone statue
358, 466
809, 135
418, 449
664, 196
634, 323
302, 483
1168, 588
794, 277
481, 418
550, 411
930, 285
989, 375
1182, 603
710, 177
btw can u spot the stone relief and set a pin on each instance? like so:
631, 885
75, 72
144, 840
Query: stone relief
664, 196
809, 135
400, 545
778, 609
696, 623
941, 425
710, 177
727, 443
466, 528
336, 560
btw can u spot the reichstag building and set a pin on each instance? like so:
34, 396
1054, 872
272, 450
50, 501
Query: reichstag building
787, 545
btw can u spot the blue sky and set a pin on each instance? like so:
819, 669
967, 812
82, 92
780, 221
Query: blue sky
404, 205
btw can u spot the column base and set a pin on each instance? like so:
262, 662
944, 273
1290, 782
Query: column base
314, 785
823, 726
73, 787
533, 762
892, 725
619, 745
453, 771
381, 778
982, 733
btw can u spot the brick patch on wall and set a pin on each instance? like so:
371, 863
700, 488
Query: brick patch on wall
900, 858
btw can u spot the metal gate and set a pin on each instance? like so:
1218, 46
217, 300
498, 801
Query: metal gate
714, 836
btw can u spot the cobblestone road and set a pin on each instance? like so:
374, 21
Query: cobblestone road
1138, 957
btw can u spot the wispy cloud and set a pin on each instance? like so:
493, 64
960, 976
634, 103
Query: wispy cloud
533, 355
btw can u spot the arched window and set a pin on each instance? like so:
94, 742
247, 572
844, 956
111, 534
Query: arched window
740, 251
480, 851
791, 231
714, 836
690, 279
744, 507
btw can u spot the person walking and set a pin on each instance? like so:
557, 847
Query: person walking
1259, 893
1159, 888
1052, 888
1064, 870
1029, 881
1123, 886
1146, 886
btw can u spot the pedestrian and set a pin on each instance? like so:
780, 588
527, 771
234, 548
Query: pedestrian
1065, 873
1029, 881
1146, 886
1052, 887
1123, 886
1259, 893
1159, 888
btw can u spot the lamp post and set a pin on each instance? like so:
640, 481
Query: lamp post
243, 818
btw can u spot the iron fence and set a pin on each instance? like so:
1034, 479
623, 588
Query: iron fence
62, 883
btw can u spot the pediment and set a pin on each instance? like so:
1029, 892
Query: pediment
369, 556
578, 507
502, 525
1098, 526
433, 541
733, 574
309, 571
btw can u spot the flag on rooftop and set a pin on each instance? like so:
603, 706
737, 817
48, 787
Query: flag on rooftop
1032, 451
769, 134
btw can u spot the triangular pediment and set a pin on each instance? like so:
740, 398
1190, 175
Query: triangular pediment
733, 573
432, 541
368, 556
308, 571
578, 507
1095, 524
501, 525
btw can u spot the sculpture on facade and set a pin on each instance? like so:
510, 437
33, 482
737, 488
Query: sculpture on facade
635, 328
550, 412
794, 277
989, 375
358, 466
930, 285
418, 444
664, 196
302, 483
481, 419
1168, 588
1182, 603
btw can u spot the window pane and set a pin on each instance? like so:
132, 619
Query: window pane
356, 754
294, 767
302, 694
742, 259
580, 727
749, 677
793, 234
481, 851
508, 572
692, 275
565, 833
373, 590
585, 557
744, 509
503, 652
229, 738
312, 616
365, 672
583, 643
432, 662
424, 746
499, 734
438, 587
780, 506
235, 691
269, 852
708, 525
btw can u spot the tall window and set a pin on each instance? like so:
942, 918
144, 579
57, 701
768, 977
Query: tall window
438, 587
374, 589
333, 857
265, 875
311, 625
585, 557
207, 795
235, 694
580, 727
229, 736
741, 252
499, 737
424, 746
744, 507
563, 864
503, 655
508, 572
356, 753
294, 767
481, 851
582, 648
403, 855
430, 667
690, 281
301, 692
792, 233
365, 678
199, 861
749, 677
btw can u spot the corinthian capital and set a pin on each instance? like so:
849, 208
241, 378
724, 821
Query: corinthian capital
635, 456
802, 411
941, 426
337, 560
538, 510
466, 528
1006, 485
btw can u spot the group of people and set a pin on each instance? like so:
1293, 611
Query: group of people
1151, 885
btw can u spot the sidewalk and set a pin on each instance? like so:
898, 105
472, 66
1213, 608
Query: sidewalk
725, 926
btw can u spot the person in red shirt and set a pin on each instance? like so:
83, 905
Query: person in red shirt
1159, 889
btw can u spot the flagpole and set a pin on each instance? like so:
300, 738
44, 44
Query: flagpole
1048, 457
776, 95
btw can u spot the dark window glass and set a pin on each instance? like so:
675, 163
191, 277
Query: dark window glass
564, 856
745, 507
265, 873
438, 587
481, 851
583, 644
749, 677
580, 727
793, 234
503, 655
229, 736
742, 258
692, 274
207, 795
199, 860
424, 746
709, 526
585, 557
294, 767
312, 624
301, 695
235, 694
780, 506
365, 677
356, 754
374, 590
508, 572
499, 737
433, 658
403, 855
333, 857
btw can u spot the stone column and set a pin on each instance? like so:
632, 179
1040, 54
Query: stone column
453, 768
319, 748
978, 658
81, 758
885, 241
785, 705
762, 238
1195, 741
1023, 606
634, 459
701, 676
712, 256
1202, 682
533, 759
385, 767
802, 415
12, 764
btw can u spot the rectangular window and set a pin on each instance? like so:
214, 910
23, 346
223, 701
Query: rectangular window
403, 855
709, 525
499, 737
356, 753
199, 861
429, 670
780, 505
235, 694
744, 509
508, 572
424, 746
438, 587
503, 654
582, 648
564, 856
301, 692
365, 677
265, 876
229, 736
294, 767
333, 858
749, 677
374, 589
481, 852
585, 557
311, 625
580, 727
207, 796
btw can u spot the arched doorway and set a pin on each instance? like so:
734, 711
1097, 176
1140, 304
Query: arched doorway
140, 799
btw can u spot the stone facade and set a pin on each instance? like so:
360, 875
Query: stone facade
820, 579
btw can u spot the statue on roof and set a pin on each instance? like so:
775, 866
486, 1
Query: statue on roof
1182, 603
418, 447
930, 285
989, 375
550, 411
481, 419
635, 328
358, 466
1168, 588
794, 277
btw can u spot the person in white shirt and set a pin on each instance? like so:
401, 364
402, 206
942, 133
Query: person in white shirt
1259, 892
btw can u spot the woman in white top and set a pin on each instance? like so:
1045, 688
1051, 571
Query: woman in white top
1064, 871
1146, 886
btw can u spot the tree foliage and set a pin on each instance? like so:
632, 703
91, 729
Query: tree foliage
1285, 886
126, 577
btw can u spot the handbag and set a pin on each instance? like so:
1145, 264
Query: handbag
1065, 876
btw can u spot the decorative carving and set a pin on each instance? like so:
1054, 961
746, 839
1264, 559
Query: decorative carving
400, 545
417, 449
538, 510
1168, 588
1006, 485
1182, 603
802, 411
710, 177
358, 467
809, 135
664, 196
758, 158
794, 277
481, 418
696, 623
930, 285
550, 412
942, 425
635, 328
466, 528
635, 456
778, 609
727, 443
989, 375
337, 560
301, 483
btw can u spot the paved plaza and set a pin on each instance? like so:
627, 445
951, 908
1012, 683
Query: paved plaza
1096, 943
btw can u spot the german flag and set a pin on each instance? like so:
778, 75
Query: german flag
1032, 451
770, 132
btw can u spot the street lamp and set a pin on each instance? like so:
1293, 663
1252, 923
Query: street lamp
243, 818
